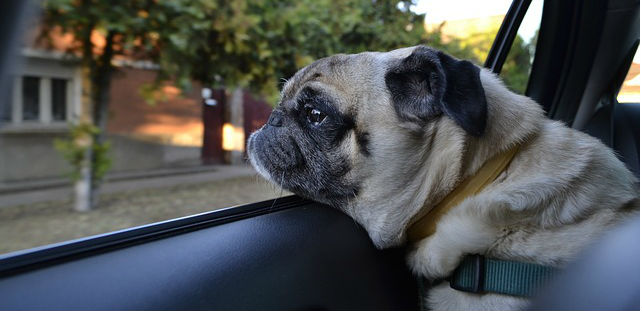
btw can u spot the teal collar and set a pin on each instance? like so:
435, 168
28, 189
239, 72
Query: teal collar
478, 274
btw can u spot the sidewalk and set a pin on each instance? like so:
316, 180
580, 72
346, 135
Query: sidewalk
46, 215
61, 189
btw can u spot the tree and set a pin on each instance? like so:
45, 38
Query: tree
101, 30
255, 43
517, 67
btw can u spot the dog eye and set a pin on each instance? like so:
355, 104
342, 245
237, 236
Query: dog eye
314, 115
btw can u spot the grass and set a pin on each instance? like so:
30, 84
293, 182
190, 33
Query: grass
28, 226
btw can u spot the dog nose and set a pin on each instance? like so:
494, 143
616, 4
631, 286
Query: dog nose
276, 118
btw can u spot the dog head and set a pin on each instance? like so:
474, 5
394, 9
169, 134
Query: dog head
356, 131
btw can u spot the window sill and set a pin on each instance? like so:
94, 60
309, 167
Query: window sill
34, 128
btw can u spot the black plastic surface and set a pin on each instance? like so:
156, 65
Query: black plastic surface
506, 35
618, 126
626, 138
308, 257
581, 46
52, 254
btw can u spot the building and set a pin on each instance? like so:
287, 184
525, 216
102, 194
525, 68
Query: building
45, 99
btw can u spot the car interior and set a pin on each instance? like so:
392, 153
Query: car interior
293, 253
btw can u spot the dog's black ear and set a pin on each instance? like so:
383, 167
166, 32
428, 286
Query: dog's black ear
428, 83
464, 100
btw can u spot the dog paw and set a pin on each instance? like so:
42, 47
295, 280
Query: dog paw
465, 230
432, 260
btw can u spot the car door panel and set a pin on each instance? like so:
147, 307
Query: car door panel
308, 257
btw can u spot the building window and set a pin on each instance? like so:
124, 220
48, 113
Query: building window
6, 106
39, 99
43, 96
59, 99
30, 98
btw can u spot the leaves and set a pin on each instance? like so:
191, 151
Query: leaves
74, 146
256, 43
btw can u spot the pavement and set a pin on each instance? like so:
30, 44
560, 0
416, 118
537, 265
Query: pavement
30, 192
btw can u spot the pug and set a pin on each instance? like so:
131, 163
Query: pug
385, 137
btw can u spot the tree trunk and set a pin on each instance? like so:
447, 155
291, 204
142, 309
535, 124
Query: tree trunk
96, 84
101, 114
84, 197
82, 186
235, 118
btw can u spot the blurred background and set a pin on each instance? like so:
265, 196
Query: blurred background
123, 113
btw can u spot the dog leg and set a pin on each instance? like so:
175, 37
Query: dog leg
464, 230
472, 227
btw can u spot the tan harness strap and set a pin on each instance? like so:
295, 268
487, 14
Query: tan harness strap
426, 225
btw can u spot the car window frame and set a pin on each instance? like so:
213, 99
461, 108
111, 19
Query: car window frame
42, 256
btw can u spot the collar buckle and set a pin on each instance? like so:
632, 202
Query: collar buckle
477, 275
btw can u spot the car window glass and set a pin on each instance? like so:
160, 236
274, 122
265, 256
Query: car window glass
189, 82
466, 29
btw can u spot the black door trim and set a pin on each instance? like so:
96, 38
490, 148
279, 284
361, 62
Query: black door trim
50, 254
506, 35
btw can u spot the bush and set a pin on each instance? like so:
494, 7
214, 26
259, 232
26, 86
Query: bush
73, 149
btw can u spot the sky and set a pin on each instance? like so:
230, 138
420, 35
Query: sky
441, 10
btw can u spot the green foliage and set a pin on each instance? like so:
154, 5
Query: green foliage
125, 32
73, 149
102, 160
517, 67
151, 93
257, 43
125, 20
247, 43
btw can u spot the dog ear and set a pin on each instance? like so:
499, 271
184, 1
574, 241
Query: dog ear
428, 83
